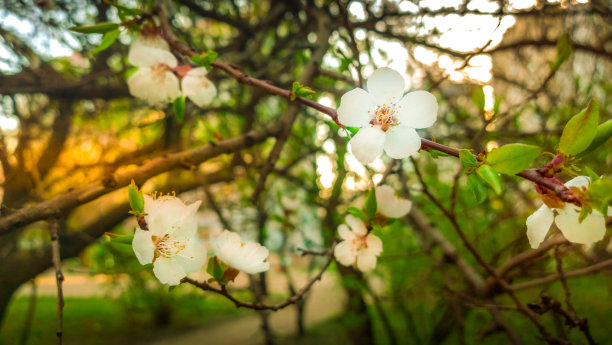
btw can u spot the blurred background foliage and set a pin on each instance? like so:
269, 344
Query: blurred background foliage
502, 71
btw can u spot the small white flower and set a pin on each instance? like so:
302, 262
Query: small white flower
171, 242
387, 120
249, 257
198, 88
591, 230
154, 82
357, 248
389, 204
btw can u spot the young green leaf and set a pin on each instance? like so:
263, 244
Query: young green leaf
299, 90
100, 28
478, 97
467, 159
591, 174
490, 176
205, 59
580, 130
600, 194
435, 153
136, 198
370, 204
564, 51
107, 40
357, 213
216, 269
478, 187
178, 106
604, 133
513, 158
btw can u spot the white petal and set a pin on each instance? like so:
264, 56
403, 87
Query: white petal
145, 56
417, 109
356, 108
154, 86
538, 224
356, 225
401, 142
366, 260
252, 258
389, 204
169, 215
374, 244
198, 88
592, 228
368, 144
143, 246
386, 85
168, 271
193, 257
345, 253
345, 233
578, 181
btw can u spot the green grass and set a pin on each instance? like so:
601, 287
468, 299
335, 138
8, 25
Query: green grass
97, 320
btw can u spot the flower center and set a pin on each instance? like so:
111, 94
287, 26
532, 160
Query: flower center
384, 116
159, 71
168, 247
359, 242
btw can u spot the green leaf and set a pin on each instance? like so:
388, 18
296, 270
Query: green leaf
435, 153
478, 97
604, 133
564, 51
513, 158
467, 158
216, 269
352, 130
478, 187
136, 198
299, 90
490, 176
108, 39
600, 194
580, 130
370, 203
120, 239
178, 106
496, 105
96, 29
205, 59
357, 213
591, 174
128, 73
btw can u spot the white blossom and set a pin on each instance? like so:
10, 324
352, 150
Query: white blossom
171, 242
154, 82
590, 230
358, 248
249, 257
389, 204
386, 116
198, 88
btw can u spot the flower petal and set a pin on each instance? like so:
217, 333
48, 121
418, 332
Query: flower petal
345, 253
356, 225
345, 233
592, 228
154, 86
193, 257
374, 244
198, 88
389, 204
386, 85
417, 109
143, 246
355, 108
538, 224
402, 142
168, 271
368, 144
578, 181
366, 260
143, 55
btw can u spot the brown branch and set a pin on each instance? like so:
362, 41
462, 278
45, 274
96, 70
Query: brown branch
260, 306
554, 277
59, 276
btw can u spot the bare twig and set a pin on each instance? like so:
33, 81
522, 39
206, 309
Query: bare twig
59, 276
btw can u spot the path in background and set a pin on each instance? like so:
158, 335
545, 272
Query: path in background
325, 300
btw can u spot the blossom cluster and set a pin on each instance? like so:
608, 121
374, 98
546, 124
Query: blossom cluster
157, 79
172, 245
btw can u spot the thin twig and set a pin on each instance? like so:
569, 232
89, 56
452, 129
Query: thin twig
59, 276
